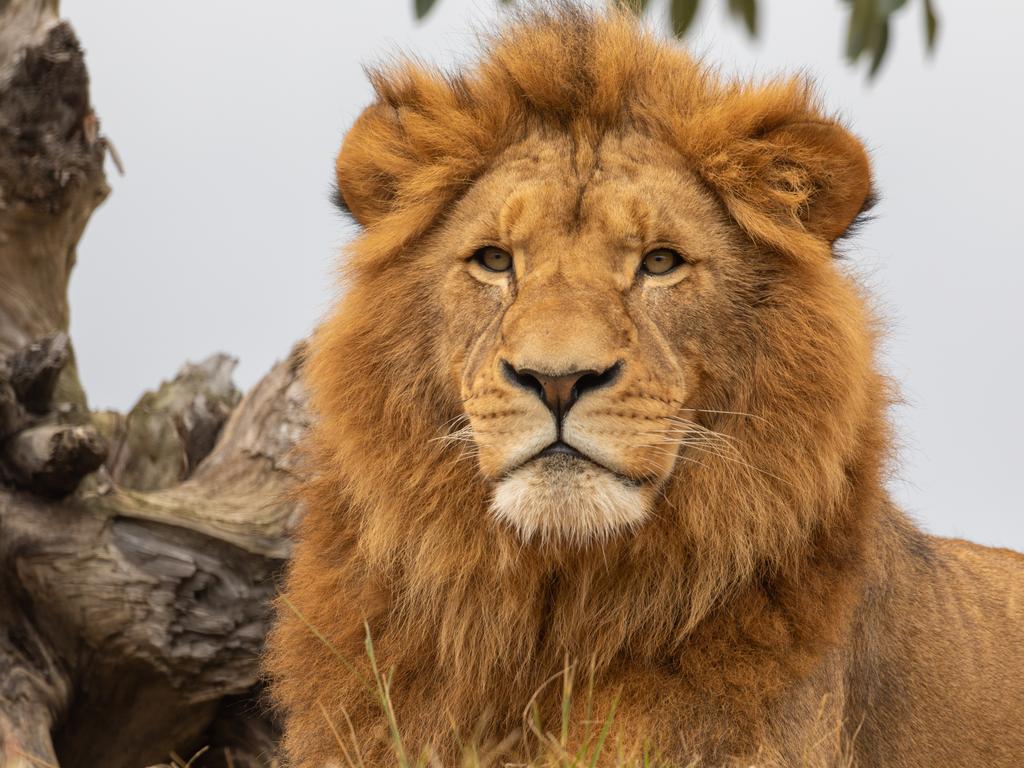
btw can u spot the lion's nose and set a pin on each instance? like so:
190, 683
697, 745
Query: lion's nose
560, 391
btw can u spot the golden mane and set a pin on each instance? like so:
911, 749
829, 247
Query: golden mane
431, 133
397, 531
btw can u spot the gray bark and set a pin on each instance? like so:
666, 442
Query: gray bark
138, 552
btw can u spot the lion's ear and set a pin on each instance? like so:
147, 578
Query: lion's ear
797, 187
369, 164
840, 174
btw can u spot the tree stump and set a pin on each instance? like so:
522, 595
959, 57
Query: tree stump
138, 552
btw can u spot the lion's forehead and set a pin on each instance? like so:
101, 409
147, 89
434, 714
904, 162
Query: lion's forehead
556, 199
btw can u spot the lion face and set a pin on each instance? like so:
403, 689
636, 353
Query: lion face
582, 300
584, 275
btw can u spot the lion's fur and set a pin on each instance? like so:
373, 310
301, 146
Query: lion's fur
761, 588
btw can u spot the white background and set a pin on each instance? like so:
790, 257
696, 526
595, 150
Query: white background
220, 237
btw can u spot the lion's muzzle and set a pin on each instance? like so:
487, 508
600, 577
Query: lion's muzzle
560, 391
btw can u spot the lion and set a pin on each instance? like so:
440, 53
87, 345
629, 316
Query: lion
601, 403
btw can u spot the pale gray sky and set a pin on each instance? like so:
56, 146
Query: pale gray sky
228, 114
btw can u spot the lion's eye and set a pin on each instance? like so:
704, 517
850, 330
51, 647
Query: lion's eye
493, 259
660, 261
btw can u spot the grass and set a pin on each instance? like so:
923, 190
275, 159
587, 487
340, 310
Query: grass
551, 751
544, 748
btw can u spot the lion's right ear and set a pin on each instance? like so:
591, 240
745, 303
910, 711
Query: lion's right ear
797, 186
370, 164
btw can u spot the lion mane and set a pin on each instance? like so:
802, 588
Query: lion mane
769, 603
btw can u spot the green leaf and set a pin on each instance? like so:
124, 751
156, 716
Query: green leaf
879, 46
639, 7
422, 7
931, 25
862, 16
747, 10
683, 13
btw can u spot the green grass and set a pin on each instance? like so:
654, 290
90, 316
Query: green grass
551, 750
543, 747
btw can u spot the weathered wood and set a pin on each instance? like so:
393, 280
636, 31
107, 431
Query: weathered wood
51, 459
155, 602
13, 416
170, 431
51, 175
34, 371
133, 593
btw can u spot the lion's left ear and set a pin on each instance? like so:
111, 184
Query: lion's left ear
839, 171
797, 187
373, 158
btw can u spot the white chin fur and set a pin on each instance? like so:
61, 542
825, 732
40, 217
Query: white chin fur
568, 500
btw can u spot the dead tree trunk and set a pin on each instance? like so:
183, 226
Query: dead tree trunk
138, 551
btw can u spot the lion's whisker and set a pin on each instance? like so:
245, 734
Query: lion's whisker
727, 413
463, 434
723, 450
689, 433
697, 428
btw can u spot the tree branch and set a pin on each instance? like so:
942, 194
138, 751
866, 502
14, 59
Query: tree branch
133, 591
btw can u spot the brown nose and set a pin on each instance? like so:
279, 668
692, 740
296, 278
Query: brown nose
560, 391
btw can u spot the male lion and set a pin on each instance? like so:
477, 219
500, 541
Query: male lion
599, 398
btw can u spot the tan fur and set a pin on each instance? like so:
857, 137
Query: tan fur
730, 568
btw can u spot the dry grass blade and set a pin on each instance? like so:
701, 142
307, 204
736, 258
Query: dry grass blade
383, 686
327, 643
34, 760
337, 736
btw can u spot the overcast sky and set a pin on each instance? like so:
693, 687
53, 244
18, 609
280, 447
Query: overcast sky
220, 237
